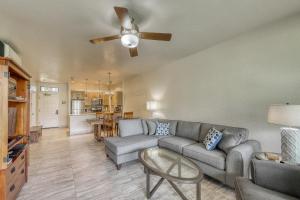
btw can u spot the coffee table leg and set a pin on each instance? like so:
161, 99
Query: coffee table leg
147, 183
198, 191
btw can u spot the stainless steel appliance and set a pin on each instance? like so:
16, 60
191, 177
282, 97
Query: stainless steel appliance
77, 106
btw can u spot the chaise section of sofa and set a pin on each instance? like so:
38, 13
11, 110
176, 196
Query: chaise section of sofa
132, 139
185, 138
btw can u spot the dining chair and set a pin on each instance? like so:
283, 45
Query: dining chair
108, 124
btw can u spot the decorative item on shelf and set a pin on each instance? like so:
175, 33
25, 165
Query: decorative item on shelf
289, 116
12, 87
152, 105
12, 120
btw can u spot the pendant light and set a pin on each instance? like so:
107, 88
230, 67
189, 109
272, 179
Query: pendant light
99, 89
86, 88
109, 83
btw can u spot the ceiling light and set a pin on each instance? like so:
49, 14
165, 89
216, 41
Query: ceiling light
130, 40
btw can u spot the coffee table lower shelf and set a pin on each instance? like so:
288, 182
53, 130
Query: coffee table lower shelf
172, 167
150, 192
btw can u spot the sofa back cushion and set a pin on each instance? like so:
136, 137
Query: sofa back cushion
172, 127
234, 130
189, 130
128, 127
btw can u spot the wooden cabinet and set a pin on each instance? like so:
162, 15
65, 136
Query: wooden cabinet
13, 143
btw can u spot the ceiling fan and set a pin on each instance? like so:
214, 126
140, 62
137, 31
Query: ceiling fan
130, 34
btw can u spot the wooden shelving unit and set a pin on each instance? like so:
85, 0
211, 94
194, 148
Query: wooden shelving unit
14, 150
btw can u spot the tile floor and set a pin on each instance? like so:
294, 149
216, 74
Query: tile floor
76, 168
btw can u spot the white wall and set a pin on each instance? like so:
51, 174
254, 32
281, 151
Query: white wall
232, 83
33, 104
63, 102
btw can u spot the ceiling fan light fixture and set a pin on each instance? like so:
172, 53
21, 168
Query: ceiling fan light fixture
130, 40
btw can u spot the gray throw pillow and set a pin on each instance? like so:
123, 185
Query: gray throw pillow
145, 126
229, 140
151, 126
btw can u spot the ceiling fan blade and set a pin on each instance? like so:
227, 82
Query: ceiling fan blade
104, 39
122, 13
156, 36
133, 52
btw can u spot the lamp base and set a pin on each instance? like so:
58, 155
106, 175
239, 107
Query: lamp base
290, 145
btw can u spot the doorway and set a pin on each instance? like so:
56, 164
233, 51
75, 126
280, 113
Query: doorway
48, 110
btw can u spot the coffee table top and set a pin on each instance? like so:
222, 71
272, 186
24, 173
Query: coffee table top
170, 165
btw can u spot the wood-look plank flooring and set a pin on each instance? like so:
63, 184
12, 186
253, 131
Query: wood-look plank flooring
76, 168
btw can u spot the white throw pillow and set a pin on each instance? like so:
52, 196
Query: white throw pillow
162, 128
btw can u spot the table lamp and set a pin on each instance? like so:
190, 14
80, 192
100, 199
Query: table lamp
289, 117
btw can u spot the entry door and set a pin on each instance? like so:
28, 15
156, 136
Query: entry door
48, 110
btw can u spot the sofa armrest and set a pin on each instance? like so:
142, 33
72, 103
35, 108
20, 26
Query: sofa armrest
238, 160
240, 184
284, 178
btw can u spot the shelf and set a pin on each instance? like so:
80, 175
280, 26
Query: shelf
18, 140
17, 101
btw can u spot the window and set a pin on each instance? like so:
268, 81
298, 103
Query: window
49, 89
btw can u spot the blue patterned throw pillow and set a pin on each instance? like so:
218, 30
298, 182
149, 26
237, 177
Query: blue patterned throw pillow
162, 129
212, 139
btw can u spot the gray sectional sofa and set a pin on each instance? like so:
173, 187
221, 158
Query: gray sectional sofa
185, 138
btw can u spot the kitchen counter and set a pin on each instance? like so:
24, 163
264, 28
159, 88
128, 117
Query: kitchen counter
87, 113
78, 123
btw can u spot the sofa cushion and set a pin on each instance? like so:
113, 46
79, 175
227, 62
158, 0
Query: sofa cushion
123, 145
189, 130
215, 158
129, 127
246, 190
175, 143
234, 130
173, 125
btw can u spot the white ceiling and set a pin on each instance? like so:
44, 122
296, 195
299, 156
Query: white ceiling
52, 36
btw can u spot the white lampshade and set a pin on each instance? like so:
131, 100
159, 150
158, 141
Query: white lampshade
130, 40
152, 105
287, 115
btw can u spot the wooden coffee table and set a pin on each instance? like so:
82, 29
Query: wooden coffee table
172, 167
